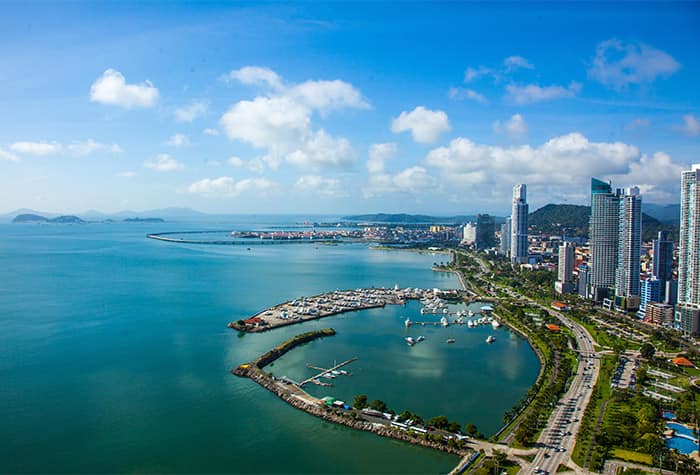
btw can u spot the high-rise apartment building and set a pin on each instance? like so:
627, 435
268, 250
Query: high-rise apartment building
485, 231
688, 309
469, 234
565, 280
604, 236
662, 263
505, 237
518, 236
627, 282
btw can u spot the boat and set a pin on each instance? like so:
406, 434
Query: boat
410, 341
336, 372
329, 376
450, 340
495, 324
408, 322
444, 322
471, 314
490, 339
420, 338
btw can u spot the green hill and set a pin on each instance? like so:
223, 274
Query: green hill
572, 220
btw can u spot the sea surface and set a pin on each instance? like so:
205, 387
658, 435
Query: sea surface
115, 356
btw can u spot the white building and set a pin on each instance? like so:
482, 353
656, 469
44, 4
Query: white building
688, 310
518, 236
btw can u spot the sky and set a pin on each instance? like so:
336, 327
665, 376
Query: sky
336, 108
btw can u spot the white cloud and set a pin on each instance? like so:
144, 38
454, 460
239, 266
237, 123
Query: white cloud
514, 62
191, 112
235, 162
281, 122
227, 186
472, 74
414, 179
619, 64
37, 148
178, 140
127, 174
111, 88
163, 163
256, 75
320, 185
425, 125
637, 123
691, 125
379, 153
5, 155
89, 146
328, 95
212, 132
464, 93
535, 93
322, 151
515, 127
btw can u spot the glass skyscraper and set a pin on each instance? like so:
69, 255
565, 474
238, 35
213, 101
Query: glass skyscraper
688, 310
519, 214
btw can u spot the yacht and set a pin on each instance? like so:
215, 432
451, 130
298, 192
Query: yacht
408, 322
444, 322
420, 338
450, 340
490, 339
495, 324
410, 341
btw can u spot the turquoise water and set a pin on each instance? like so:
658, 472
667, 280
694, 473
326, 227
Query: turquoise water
115, 356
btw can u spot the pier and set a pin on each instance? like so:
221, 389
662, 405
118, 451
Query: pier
326, 371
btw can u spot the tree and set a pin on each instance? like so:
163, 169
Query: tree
470, 429
647, 351
499, 457
440, 422
360, 401
378, 405
404, 416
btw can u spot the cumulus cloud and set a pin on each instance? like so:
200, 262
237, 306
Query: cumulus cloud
618, 64
127, 174
212, 132
534, 93
691, 125
320, 185
280, 122
472, 74
425, 125
414, 179
256, 75
379, 153
111, 88
235, 162
37, 148
5, 155
227, 186
464, 93
515, 62
515, 127
554, 170
178, 140
191, 112
163, 163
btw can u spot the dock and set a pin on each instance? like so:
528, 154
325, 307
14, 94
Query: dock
326, 371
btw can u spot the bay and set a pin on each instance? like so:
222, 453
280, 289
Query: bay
115, 356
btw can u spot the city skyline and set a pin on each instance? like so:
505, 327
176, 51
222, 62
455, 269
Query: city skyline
431, 109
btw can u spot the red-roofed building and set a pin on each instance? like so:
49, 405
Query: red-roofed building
681, 361
559, 306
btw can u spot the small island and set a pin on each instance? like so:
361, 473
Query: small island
35, 218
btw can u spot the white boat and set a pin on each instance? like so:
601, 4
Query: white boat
420, 338
444, 322
450, 340
490, 339
336, 372
471, 314
495, 324
410, 341
408, 322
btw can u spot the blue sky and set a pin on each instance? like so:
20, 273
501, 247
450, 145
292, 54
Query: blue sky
341, 108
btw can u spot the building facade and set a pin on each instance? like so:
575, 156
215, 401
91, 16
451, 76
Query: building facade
627, 282
505, 237
485, 232
565, 280
688, 308
603, 235
519, 215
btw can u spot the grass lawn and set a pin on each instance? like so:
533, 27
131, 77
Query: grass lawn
632, 456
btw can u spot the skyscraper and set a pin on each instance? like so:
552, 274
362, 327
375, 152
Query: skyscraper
629, 249
505, 237
565, 281
518, 239
604, 236
485, 231
688, 309
662, 264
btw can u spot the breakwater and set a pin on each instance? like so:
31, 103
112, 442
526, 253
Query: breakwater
300, 399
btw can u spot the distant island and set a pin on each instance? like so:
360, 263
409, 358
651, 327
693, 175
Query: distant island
144, 220
70, 219
35, 218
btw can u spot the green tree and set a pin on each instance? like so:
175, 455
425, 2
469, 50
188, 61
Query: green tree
378, 405
360, 401
647, 351
498, 458
470, 429
440, 422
